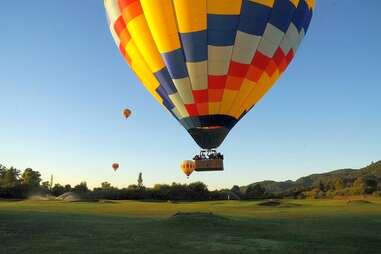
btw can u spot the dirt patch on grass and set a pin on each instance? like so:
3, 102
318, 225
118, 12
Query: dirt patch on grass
193, 214
271, 202
208, 217
359, 202
107, 201
277, 203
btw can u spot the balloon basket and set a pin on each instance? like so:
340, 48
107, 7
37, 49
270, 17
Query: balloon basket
209, 160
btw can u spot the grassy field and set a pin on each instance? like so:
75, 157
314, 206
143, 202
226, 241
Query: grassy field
296, 226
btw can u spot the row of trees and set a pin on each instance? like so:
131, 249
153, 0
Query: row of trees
16, 184
362, 185
175, 191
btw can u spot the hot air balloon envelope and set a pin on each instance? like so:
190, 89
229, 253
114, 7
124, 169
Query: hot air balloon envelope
208, 61
187, 167
127, 113
115, 166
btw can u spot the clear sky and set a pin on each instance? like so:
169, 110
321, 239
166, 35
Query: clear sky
63, 86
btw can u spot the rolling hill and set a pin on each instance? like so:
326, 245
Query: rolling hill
347, 175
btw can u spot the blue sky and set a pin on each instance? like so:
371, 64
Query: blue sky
63, 86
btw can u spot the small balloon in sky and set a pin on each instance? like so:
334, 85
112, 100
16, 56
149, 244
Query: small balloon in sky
188, 167
115, 166
127, 113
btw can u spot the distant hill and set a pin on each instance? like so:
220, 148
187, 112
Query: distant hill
348, 177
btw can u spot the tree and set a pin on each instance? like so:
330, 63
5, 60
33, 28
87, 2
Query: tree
371, 185
365, 185
236, 189
132, 187
67, 188
255, 191
81, 188
178, 191
198, 191
10, 177
140, 181
45, 186
321, 186
3, 169
106, 185
31, 177
51, 183
58, 190
358, 186
339, 184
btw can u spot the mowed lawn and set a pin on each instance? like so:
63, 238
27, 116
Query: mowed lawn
297, 226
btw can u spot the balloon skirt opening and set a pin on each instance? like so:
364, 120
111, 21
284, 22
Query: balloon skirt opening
209, 138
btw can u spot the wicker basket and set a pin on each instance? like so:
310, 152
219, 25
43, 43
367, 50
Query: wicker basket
209, 165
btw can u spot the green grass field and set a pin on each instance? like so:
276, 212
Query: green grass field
297, 226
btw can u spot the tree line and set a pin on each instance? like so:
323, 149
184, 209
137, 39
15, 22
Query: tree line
16, 184
361, 185
325, 188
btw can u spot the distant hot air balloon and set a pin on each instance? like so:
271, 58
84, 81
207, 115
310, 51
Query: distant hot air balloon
208, 61
126, 113
188, 167
115, 166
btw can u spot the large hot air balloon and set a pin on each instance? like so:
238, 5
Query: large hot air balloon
188, 166
208, 61
115, 166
